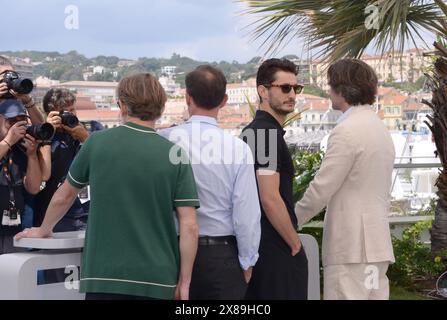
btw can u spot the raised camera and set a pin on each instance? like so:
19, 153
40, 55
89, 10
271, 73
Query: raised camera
43, 132
69, 119
14, 82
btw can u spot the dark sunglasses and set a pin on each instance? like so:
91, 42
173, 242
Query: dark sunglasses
285, 88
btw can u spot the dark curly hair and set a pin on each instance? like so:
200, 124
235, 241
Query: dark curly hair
268, 69
58, 99
355, 80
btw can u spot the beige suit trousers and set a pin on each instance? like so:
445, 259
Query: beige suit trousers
356, 281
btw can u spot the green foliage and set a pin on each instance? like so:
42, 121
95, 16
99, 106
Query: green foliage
72, 65
306, 166
430, 209
407, 86
414, 260
316, 91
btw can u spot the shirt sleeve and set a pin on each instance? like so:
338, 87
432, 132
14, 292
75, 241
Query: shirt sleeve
246, 212
78, 175
186, 190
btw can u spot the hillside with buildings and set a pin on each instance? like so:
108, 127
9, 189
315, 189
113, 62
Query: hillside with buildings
95, 80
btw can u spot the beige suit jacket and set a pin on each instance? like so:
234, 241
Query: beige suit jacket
354, 182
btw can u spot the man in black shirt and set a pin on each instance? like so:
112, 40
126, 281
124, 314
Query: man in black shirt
281, 271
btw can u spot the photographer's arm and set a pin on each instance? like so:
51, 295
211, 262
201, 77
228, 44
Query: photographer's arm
4, 148
33, 177
33, 112
79, 132
15, 133
44, 154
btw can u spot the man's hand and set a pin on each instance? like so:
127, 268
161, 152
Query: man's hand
30, 145
54, 119
16, 133
182, 291
247, 274
33, 233
3, 89
296, 248
79, 132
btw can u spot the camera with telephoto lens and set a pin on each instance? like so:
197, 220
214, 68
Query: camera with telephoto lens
69, 119
19, 85
42, 132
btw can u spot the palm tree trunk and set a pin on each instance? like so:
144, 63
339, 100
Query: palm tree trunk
438, 231
438, 126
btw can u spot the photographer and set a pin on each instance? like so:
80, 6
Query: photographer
70, 134
20, 170
6, 67
13, 87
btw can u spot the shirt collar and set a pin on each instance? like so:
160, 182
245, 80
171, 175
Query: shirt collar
138, 127
266, 116
205, 119
345, 115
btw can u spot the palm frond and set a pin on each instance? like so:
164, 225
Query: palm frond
338, 29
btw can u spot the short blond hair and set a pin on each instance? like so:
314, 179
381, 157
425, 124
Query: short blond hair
143, 95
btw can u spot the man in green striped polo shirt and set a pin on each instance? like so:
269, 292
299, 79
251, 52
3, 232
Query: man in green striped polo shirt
131, 246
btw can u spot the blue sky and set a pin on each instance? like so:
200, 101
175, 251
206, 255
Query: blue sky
209, 30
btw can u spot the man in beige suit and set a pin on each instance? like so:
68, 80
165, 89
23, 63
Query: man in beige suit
354, 183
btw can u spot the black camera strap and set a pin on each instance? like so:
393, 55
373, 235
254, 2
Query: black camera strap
7, 171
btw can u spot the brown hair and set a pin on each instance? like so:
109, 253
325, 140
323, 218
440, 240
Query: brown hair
355, 80
58, 99
143, 95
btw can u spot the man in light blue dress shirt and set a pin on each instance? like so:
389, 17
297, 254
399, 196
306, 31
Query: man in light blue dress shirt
223, 166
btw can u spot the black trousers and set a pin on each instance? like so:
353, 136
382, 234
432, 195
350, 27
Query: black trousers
278, 275
217, 274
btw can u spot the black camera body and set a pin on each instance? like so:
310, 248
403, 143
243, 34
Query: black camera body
14, 82
42, 132
69, 119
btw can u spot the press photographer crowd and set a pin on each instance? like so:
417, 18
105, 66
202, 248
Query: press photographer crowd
234, 234
35, 154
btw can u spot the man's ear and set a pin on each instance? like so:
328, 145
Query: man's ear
188, 99
124, 109
224, 102
263, 92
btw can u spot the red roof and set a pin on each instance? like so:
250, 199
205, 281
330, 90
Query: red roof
98, 115
394, 100
84, 103
320, 105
